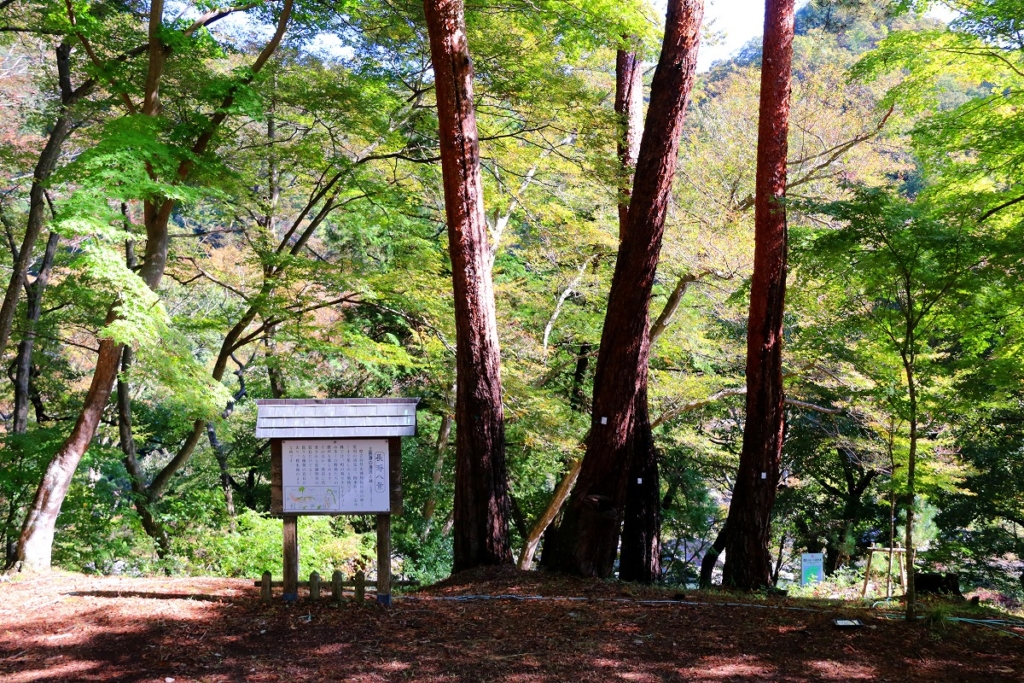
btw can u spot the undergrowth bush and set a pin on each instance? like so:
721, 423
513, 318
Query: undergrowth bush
325, 544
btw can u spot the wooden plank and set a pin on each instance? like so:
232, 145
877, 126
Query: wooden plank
276, 477
384, 560
291, 558
395, 473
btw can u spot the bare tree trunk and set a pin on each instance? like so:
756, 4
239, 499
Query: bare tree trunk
577, 398
778, 559
143, 504
278, 388
629, 105
747, 561
548, 516
909, 589
444, 433
640, 553
220, 453
593, 516
481, 488
35, 544
707, 563
23, 363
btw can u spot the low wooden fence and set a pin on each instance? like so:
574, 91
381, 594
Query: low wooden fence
316, 587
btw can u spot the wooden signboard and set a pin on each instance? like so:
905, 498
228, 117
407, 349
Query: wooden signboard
336, 476
336, 457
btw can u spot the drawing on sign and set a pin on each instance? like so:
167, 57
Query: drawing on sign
335, 476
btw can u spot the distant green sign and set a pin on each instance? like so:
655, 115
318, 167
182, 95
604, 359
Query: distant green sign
812, 568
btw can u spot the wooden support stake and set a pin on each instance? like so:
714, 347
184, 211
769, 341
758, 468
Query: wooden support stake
336, 580
291, 558
314, 586
360, 587
384, 560
867, 574
265, 593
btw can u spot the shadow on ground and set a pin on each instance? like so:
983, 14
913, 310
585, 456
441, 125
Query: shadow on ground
147, 634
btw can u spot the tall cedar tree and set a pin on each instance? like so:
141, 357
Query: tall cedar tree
482, 505
747, 563
589, 531
640, 553
36, 540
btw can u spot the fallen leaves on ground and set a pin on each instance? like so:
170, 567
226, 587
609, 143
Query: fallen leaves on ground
484, 625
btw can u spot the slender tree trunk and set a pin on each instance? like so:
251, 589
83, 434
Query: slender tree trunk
278, 388
444, 433
664, 319
778, 559
747, 561
220, 453
579, 377
911, 592
707, 563
35, 543
543, 528
23, 363
162, 480
593, 516
481, 511
629, 104
143, 505
37, 198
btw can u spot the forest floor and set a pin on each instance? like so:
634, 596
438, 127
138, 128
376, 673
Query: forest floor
72, 627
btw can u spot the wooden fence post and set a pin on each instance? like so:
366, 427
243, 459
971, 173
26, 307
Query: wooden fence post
360, 587
336, 580
291, 559
265, 587
384, 560
314, 586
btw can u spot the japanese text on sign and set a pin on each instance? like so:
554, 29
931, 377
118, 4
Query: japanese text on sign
335, 476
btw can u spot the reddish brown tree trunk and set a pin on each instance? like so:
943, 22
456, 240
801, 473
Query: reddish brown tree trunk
481, 489
747, 560
629, 105
640, 552
593, 517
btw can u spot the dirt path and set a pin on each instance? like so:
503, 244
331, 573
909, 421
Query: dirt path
70, 627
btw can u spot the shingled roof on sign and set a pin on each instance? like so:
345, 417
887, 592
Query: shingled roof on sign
335, 418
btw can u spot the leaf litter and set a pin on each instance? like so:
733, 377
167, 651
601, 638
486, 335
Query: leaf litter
494, 624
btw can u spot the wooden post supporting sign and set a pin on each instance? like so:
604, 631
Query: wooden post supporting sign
384, 560
291, 558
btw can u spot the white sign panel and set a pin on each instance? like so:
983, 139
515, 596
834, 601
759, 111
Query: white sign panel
812, 568
335, 476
